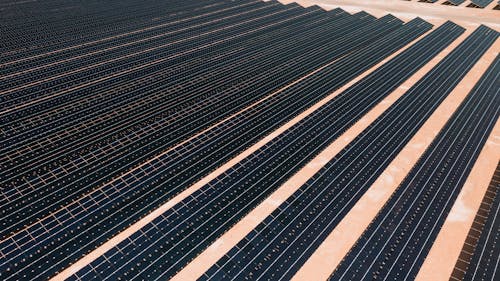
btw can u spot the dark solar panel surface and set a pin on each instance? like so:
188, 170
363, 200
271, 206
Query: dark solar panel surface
58, 129
134, 131
486, 209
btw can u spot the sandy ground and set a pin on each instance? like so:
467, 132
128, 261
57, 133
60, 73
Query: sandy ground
324, 260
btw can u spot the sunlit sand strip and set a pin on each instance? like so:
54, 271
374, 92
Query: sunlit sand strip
227, 241
133, 228
330, 253
445, 251
412, 9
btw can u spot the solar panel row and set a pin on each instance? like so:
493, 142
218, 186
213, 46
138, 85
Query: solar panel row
188, 42
397, 241
177, 159
134, 96
280, 245
159, 39
456, 2
472, 3
64, 211
198, 71
188, 228
143, 41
